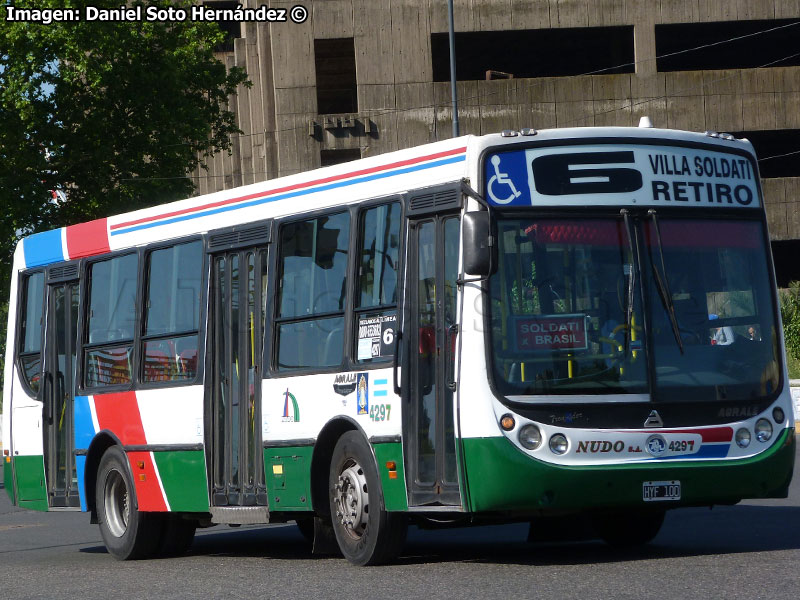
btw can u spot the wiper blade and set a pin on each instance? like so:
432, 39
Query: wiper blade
663, 284
631, 283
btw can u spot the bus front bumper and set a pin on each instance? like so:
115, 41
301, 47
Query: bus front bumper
499, 477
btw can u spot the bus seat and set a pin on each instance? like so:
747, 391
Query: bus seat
332, 351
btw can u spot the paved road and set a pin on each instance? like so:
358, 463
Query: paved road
747, 551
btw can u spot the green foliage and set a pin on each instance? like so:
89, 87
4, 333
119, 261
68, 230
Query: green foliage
793, 365
112, 114
790, 313
3, 321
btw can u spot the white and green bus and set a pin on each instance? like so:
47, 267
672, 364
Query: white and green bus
575, 325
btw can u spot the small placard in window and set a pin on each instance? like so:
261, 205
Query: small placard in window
376, 336
551, 332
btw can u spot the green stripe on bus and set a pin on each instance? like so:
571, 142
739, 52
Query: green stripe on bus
288, 478
183, 475
31, 492
506, 479
394, 490
8, 480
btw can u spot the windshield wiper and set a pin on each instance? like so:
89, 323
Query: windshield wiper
631, 283
663, 284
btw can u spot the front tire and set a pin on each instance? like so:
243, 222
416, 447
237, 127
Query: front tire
128, 534
366, 533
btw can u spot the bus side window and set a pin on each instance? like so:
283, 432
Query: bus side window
312, 293
111, 321
173, 283
30, 330
376, 295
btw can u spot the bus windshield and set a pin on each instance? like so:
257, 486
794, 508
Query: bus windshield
579, 305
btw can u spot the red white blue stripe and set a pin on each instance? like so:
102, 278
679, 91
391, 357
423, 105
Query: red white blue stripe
297, 190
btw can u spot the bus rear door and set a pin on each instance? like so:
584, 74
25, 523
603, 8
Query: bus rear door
234, 443
63, 298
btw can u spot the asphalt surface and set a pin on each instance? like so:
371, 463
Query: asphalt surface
751, 550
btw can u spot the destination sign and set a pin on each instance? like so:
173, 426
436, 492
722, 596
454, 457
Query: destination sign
550, 332
621, 174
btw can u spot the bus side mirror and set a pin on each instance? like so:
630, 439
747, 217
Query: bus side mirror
480, 254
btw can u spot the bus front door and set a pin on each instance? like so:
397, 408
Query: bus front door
59, 393
429, 421
233, 412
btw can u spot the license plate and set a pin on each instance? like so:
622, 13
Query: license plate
659, 491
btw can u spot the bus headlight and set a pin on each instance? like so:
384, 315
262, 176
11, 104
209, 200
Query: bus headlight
777, 414
763, 430
558, 443
530, 437
742, 438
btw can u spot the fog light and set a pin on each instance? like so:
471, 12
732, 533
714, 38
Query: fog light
777, 414
743, 438
507, 422
558, 443
763, 430
530, 437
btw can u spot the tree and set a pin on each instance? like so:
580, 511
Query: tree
112, 114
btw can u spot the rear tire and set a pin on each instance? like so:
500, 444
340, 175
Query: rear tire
128, 534
365, 532
628, 529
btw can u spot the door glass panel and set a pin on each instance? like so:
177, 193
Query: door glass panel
451, 245
60, 414
220, 442
425, 392
72, 342
235, 366
252, 332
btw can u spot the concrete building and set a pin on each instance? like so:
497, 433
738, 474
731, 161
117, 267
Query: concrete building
363, 77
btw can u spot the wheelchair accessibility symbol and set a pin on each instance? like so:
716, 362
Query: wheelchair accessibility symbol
501, 188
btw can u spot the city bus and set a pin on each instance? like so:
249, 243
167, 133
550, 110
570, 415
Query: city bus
576, 328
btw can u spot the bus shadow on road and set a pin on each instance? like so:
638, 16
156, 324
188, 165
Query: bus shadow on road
280, 542
686, 533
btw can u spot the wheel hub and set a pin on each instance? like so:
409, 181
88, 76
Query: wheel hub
352, 499
117, 507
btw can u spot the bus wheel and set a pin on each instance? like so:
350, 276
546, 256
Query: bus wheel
366, 533
127, 533
626, 529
